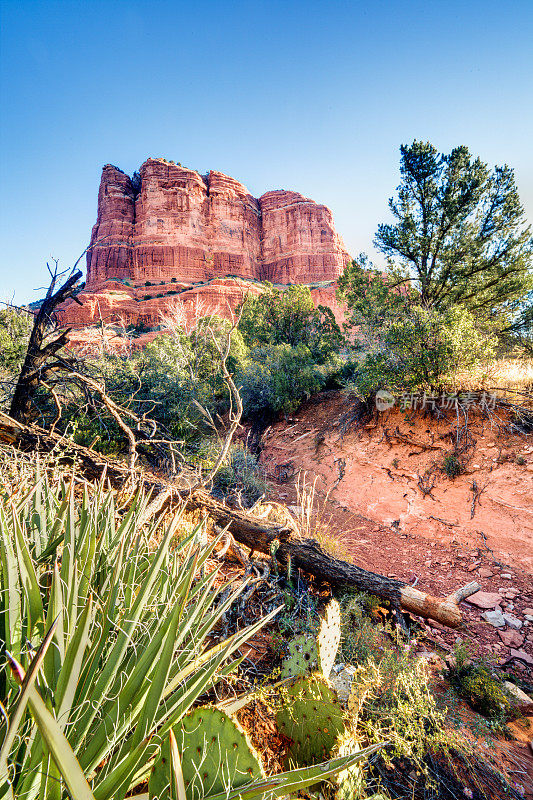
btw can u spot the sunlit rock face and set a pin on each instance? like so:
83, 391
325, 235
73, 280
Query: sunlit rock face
171, 234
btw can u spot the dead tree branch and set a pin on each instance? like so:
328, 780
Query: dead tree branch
39, 353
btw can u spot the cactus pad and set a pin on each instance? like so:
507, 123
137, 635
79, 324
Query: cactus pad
329, 636
312, 717
302, 658
215, 754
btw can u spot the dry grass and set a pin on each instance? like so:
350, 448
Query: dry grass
313, 520
505, 376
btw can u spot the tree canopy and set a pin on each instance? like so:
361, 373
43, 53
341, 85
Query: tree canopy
290, 317
460, 234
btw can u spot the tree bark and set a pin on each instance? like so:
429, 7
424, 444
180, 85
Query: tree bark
38, 353
257, 534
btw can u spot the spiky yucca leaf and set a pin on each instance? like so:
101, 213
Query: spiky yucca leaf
128, 653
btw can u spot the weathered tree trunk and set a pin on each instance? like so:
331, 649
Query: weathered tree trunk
37, 355
257, 534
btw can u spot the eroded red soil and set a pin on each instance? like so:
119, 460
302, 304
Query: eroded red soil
370, 495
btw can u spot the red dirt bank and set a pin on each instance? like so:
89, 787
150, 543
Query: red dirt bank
379, 515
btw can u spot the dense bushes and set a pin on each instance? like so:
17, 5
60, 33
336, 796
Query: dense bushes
15, 328
294, 350
177, 380
408, 345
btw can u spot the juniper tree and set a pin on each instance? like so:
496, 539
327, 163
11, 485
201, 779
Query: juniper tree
460, 235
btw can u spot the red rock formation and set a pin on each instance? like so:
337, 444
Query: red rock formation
300, 244
110, 250
181, 232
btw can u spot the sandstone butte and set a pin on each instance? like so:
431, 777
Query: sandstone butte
169, 236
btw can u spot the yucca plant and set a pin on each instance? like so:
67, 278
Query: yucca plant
110, 641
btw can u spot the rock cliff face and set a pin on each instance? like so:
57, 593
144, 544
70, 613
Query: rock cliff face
170, 233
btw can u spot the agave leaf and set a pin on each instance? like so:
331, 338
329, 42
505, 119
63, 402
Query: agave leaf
233, 705
295, 780
177, 782
26, 680
109, 671
56, 654
132, 694
59, 748
29, 582
71, 667
69, 541
155, 694
10, 603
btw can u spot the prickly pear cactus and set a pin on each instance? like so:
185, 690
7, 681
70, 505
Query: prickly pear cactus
302, 658
312, 717
350, 782
306, 654
215, 754
160, 782
329, 636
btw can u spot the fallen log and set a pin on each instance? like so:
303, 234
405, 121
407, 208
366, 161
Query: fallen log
307, 555
257, 534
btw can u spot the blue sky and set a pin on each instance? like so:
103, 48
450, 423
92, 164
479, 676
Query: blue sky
311, 96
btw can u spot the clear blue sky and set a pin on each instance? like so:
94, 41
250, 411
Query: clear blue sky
311, 96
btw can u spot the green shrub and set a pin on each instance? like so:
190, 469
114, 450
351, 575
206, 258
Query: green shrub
408, 346
452, 465
290, 317
15, 329
277, 378
476, 680
241, 478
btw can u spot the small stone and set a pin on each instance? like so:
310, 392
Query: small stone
484, 572
494, 618
506, 576
525, 702
528, 612
511, 638
522, 655
484, 599
512, 621
529, 617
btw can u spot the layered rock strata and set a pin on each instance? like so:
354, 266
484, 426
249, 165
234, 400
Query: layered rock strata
171, 234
